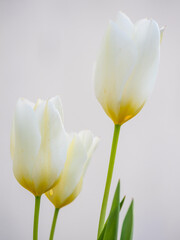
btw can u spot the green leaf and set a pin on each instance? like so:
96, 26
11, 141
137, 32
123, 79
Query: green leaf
103, 231
111, 230
116, 198
111, 216
122, 203
127, 228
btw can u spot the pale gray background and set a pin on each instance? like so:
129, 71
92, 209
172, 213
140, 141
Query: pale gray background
48, 48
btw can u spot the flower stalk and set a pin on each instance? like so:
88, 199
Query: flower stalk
36, 217
56, 211
109, 177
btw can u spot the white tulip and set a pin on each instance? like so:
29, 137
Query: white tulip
127, 66
39, 144
69, 185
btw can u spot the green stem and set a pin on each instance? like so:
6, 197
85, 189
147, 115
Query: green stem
56, 211
36, 217
109, 177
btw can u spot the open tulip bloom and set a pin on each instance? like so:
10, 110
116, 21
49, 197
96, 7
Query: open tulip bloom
46, 159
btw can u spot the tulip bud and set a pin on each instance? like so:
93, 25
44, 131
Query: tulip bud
69, 184
127, 66
39, 144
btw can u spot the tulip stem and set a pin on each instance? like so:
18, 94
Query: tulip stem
109, 178
36, 217
56, 211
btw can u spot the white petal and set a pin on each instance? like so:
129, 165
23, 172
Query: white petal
56, 101
86, 137
91, 150
59, 139
90, 143
125, 24
25, 139
72, 171
53, 150
39, 109
140, 84
113, 68
71, 179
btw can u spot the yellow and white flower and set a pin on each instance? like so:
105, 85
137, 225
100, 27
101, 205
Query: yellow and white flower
39, 144
70, 182
127, 66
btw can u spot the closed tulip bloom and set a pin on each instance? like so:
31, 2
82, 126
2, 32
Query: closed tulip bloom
70, 182
39, 144
127, 66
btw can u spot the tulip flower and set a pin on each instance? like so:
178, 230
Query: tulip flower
39, 145
70, 182
124, 75
127, 67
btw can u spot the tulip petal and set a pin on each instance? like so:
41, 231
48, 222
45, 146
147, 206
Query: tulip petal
141, 82
90, 143
56, 101
127, 66
71, 174
125, 24
59, 139
74, 194
86, 137
25, 142
114, 67
53, 149
39, 111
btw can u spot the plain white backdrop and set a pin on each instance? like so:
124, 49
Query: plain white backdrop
48, 48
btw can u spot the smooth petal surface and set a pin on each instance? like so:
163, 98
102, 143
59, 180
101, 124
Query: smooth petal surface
38, 133
141, 82
71, 178
125, 25
25, 142
71, 174
113, 68
90, 143
53, 149
127, 67
56, 101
